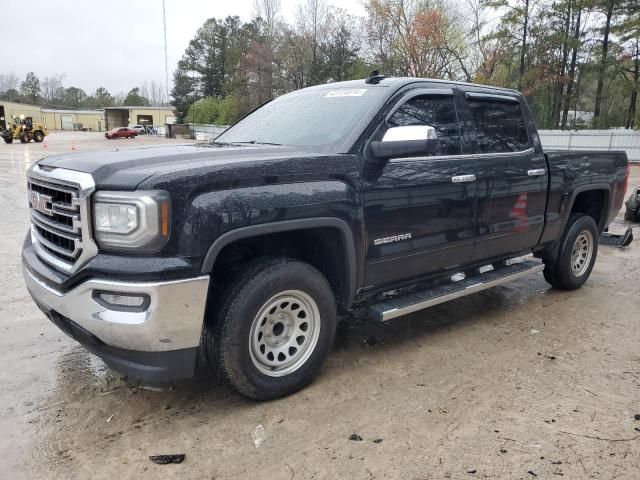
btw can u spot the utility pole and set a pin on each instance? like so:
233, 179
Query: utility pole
166, 63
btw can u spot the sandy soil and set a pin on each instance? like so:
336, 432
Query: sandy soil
517, 382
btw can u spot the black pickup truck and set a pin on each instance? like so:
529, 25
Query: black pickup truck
385, 195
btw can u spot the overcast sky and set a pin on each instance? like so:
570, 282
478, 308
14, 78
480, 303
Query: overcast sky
117, 45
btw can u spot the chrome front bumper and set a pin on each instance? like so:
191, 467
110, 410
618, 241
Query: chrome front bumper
172, 321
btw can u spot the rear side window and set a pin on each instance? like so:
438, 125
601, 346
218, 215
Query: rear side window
499, 126
436, 111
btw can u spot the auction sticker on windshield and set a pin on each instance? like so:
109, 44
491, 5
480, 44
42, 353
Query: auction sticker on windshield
346, 92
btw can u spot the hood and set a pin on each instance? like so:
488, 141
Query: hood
126, 169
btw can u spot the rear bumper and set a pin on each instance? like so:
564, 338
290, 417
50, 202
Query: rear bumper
157, 343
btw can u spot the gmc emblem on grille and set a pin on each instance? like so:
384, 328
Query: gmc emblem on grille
39, 202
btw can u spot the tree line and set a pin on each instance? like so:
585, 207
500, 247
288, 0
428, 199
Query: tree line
51, 92
576, 61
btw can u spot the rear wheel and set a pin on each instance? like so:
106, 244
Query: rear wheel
576, 256
8, 140
274, 329
38, 136
24, 139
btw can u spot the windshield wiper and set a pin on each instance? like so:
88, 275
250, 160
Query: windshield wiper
255, 142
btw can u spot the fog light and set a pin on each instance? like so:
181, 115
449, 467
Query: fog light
122, 301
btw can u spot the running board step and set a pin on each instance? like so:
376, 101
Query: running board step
412, 302
623, 240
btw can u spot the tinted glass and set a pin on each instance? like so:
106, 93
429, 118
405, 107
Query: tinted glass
499, 126
320, 119
436, 111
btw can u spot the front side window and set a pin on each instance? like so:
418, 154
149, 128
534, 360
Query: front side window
499, 126
436, 111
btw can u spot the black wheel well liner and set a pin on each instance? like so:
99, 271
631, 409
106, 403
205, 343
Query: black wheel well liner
599, 212
341, 226
551, 250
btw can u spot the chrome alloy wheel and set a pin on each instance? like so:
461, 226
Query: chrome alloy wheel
581, 254
284, 333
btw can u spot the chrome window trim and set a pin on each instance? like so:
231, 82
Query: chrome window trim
519, 153
86, 186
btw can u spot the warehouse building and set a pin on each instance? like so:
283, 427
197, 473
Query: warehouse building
77, 120
12, 109
98, 120
145, 116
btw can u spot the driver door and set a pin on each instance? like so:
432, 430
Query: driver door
420, 210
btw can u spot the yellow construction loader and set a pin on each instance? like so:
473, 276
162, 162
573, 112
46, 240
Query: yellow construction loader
24, 129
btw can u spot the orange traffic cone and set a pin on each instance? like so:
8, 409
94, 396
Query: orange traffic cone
73, 146
519, 212
44, 145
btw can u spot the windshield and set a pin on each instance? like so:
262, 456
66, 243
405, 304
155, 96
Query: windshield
318, 119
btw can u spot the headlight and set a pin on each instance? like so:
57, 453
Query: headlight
131, 220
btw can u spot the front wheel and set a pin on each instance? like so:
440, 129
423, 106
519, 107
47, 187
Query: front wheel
8, 139
24, 139
274, 329
38, 136
576, 256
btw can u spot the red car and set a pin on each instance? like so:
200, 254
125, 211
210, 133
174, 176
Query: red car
120, 132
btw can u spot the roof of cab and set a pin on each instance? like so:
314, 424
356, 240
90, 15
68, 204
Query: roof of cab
402, 81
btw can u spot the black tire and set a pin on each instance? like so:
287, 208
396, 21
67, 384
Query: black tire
38, 136
24, 139
560, 272
227, 338
8, 140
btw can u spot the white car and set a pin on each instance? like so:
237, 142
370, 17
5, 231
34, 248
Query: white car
138, 128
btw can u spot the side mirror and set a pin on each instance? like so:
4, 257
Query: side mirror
406, 141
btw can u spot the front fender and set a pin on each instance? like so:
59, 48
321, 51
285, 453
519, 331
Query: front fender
214, 219
346, 236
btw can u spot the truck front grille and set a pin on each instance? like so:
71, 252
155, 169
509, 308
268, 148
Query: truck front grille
59, 208
55, 218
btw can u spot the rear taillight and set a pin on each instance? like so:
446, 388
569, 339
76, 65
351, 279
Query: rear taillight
620, 193
626, 180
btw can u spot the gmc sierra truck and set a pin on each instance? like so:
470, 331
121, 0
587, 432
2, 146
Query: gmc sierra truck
384, 195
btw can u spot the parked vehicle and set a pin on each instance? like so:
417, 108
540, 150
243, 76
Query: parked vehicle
384, 195
24, 129
632, 212
120, 132
140, 129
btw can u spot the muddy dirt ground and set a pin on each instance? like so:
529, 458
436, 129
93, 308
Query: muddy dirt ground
517, 382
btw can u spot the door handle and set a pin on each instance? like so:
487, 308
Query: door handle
537, 171
463, 178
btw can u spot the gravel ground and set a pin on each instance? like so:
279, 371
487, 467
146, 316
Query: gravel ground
516, 382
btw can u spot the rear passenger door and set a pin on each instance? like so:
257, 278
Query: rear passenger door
513, 179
